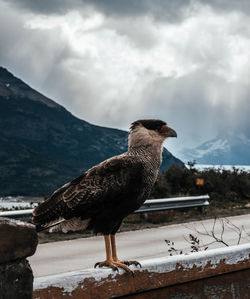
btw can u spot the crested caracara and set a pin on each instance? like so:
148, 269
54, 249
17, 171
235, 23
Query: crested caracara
101, 197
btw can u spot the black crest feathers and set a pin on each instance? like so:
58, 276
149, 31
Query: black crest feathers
150, 124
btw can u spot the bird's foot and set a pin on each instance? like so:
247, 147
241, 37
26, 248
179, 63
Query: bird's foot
107, 263
115, 265
128, 263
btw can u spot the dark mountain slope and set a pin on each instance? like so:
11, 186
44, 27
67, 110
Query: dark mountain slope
42, 145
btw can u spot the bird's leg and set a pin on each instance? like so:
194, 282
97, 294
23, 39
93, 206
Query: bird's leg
114, 252
115, 257
116, 260
109, 261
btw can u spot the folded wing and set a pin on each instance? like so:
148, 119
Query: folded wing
103, 185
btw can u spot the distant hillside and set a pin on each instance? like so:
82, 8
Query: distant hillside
228, 149
42, 145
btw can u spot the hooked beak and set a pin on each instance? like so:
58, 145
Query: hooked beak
168, 132
172, 133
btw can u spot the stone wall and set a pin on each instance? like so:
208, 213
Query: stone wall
18, 240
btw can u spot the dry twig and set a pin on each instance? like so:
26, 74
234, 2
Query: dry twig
197, 245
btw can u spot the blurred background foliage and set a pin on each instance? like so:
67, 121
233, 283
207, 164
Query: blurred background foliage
222, 185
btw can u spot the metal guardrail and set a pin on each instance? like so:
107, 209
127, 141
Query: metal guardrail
16, 213
150, 205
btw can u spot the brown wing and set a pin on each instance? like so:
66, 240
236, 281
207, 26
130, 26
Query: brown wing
89, 192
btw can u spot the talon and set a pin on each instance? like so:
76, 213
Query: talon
108, 263
121, 264
138, 264
128, 263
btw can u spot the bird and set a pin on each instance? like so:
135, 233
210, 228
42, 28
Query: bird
100, 198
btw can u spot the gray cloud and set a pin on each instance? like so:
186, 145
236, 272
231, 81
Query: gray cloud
228, 5
169, 10
31, 54
199, 104
46, 6
140, 32
186, 103
157, 8
172, 11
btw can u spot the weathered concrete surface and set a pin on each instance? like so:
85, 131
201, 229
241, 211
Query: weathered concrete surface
16, 280
234, 285
17, 240
155, 274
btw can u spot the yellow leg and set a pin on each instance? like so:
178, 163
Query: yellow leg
113, 247
109, 261
114, 254
112, 261
107, 247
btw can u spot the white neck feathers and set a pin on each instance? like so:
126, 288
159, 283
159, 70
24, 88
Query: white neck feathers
141, 137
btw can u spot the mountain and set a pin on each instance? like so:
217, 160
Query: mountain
42, 145
227, 149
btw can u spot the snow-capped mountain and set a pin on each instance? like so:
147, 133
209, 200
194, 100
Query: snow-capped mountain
230, 148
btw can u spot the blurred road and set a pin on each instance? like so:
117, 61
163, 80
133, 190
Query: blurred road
64, 256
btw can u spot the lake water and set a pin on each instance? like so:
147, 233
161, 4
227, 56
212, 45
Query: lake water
227, 167
12, 202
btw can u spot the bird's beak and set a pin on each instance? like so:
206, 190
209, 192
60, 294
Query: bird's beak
172, 133
168, 132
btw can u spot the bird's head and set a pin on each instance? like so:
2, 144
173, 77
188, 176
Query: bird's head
149, 131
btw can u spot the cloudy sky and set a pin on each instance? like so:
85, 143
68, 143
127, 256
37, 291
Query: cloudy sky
110, 62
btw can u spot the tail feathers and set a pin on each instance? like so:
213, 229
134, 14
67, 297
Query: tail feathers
73, 224
42, 227
51, 206
48, 212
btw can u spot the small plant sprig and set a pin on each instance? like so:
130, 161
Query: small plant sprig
172, 250
195, 243
219, 236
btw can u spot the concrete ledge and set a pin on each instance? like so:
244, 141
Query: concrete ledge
155, 274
